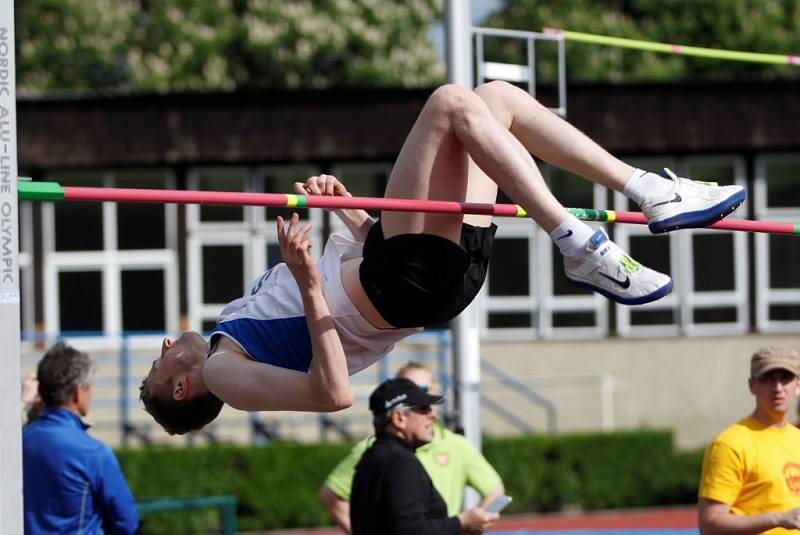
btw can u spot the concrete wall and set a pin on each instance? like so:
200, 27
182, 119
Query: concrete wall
695, 386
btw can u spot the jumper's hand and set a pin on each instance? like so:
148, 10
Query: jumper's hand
295, 247
321, 185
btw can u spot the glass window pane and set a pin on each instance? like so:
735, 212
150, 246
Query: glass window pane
143, 300
508, 267
141, 226
784, 312
709, 273
80, 300
509, 320
784, 256
79, 225
367, 180
221, 182
714, 315
652, 317
571, 190
782, 190
273, 255
561, 284
723, 172
223, 273
651, 251
574, 319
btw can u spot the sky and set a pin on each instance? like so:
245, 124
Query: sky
479, 10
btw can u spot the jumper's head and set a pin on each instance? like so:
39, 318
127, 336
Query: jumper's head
174, 392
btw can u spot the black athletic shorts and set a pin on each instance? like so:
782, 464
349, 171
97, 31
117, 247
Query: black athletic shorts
417, 280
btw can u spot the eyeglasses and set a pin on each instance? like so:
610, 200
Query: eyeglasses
428, 388
422, 409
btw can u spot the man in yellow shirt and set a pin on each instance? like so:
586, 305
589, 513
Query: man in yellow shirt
751, 472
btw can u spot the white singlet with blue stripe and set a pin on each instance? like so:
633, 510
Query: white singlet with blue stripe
269, 321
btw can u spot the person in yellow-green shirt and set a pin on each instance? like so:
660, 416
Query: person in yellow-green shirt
750, 481
449, 459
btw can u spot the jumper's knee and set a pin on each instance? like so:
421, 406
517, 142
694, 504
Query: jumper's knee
457, 107
452, 102
503, 98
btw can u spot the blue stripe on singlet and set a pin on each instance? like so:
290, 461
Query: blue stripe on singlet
283, 342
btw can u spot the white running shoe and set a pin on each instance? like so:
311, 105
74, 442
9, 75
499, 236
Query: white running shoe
690, 204
608, 270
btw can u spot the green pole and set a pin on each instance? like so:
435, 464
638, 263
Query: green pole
668, 48
39, 191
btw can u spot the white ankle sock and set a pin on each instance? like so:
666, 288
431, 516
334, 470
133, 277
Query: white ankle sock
643, 184
571, 235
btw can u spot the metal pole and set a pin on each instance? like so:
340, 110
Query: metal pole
10, 419
466, 334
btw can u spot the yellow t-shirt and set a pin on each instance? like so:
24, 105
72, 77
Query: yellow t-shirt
754, 468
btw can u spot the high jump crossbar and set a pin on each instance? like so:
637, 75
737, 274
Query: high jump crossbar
53, 192
668, 48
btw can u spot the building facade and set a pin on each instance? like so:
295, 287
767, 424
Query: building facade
108, 267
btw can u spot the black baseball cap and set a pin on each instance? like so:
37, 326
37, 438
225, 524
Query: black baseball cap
394, 392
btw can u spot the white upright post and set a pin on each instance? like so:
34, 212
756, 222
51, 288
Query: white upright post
10, 420
466, 334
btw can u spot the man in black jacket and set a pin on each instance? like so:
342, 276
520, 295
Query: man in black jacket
392, 493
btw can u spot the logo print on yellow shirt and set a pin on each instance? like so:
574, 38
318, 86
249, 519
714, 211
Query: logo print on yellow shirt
442, 458
791, 473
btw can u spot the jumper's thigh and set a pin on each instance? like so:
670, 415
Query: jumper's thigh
432, 164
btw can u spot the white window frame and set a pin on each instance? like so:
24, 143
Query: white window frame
684, 300
766, 296
541, 301
110, 262
739, 296
254, 233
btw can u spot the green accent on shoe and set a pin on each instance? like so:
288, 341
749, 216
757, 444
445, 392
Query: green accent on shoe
629, 264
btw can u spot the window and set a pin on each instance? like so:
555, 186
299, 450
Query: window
527, 293
228, 247
110, 267
776, 198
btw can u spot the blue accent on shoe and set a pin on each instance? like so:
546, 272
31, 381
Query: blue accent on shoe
598, 238
700, 218
642, 299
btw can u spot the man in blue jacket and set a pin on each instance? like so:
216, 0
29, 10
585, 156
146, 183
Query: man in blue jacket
72, 483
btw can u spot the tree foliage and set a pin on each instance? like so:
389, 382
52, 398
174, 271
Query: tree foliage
169, 45
768, 26
224, 44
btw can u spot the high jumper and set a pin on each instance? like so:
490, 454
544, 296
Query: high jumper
291, 342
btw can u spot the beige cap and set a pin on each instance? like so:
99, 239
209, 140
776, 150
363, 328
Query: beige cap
774, 358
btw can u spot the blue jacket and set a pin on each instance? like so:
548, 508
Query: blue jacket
72, 482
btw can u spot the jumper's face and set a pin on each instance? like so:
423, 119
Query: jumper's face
178, 356
775, 391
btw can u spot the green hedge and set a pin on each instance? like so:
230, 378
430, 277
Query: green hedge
277, 485
594, 471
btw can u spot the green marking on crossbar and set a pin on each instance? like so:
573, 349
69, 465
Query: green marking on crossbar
588, 214
28, 190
